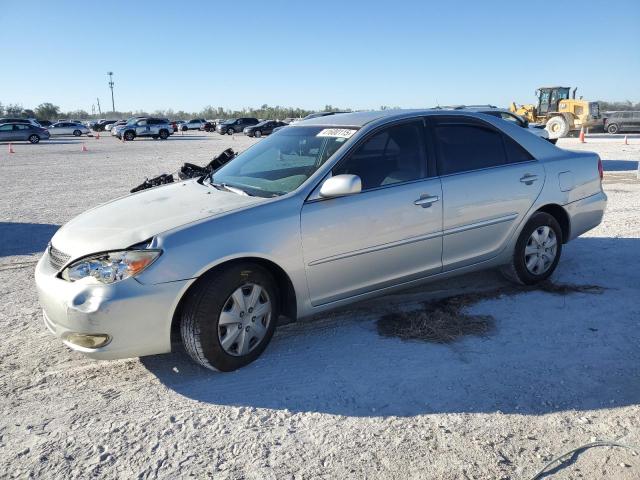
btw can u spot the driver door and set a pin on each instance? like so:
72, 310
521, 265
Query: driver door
385, 235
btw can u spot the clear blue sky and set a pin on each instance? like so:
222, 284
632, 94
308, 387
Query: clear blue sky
188, 54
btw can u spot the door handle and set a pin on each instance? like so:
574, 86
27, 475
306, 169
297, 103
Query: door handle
426, 201
528, 179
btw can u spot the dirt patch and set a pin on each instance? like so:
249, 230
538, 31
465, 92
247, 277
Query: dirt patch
444, 321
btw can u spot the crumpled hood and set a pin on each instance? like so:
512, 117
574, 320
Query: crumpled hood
135, 218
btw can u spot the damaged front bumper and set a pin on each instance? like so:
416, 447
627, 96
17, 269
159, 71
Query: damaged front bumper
121, 320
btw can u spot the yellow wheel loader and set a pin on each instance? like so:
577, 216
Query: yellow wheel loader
559, 113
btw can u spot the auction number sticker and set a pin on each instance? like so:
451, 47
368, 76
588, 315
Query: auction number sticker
337, 132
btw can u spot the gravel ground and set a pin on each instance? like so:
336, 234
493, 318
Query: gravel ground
330, 398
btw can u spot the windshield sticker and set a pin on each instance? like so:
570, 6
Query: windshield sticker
337, 132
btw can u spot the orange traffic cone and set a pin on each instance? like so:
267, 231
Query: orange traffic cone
582, 135
626, 142
11, 149
84, 148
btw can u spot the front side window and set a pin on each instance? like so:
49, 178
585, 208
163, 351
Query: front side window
464, 146
280, 163
394, 155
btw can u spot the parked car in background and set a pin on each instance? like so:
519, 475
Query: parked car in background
327, 212
235, 125
145, 127
263, 128
618, 122
16, 132
505, 114
68, 128
109, 126
119, 123
195, 124
44, 123
30, 121
101, 125
209, 126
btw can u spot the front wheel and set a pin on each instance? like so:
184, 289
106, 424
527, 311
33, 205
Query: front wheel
613, 128
34, 138
77, 133
229, 318
230, 131
164, 134
537, 251
129, 136
257, 134
558, 127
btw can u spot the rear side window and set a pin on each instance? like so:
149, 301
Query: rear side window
464, 147
515, 153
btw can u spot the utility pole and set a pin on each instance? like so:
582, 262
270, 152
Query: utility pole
99, 111
113, 105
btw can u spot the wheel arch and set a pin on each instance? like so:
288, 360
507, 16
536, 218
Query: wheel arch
288, 299
561, 216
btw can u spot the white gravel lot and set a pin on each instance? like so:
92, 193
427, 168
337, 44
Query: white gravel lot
330, 398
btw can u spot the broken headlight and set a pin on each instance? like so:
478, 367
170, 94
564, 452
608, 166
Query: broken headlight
110, 267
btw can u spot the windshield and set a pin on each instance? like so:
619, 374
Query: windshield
282, 162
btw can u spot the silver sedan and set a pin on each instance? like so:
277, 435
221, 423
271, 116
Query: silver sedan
68, 128
321, 214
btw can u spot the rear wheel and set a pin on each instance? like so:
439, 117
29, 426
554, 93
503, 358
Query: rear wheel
537, 251
77, 133
558, 127
613, 128
230, 317
34, 138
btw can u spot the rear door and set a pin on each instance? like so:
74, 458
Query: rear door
388, 233
7, 132
489, 183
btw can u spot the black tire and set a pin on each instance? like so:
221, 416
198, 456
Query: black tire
613, 128
77, 133
164, 134
558, 127
199, 321
257, 134
34, 138
129, 136
185, 128
230, 131
517, 270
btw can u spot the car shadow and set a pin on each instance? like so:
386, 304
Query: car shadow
24, 238
619, 165
548, 352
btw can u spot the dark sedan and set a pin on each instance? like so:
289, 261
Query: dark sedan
16, 132
263, 128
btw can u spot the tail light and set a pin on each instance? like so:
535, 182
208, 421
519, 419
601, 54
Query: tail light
600, 169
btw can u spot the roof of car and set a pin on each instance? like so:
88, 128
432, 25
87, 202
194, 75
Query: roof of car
359, 119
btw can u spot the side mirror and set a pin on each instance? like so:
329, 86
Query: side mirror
341, 185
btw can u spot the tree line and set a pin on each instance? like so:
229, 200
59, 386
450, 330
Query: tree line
49, 111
